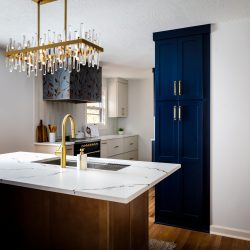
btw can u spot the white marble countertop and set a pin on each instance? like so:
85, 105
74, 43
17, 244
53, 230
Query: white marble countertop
102, 138
53, 143
110, 137
120, 186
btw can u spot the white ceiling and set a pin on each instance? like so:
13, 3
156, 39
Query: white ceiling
126, 26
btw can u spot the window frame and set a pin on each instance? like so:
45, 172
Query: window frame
102, 109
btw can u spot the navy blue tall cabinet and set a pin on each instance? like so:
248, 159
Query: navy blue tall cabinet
182, 131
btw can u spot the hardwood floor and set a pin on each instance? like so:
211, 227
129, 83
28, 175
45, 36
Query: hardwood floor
191, 240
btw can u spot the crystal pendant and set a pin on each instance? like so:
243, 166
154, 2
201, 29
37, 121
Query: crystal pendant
49, 60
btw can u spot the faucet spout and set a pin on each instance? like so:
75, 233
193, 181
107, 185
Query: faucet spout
62, 149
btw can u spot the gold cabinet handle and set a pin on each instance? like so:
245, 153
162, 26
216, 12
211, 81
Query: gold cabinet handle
175, 88
180, 88
180, 113
174, 111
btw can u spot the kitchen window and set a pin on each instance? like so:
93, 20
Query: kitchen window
96, 112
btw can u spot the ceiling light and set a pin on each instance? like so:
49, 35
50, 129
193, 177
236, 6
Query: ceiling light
52, 51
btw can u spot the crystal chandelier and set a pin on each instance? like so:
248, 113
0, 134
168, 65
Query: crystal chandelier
52, 51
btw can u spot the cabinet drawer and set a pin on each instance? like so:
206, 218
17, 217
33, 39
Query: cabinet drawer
115, 147
120, 156
104, 149
132, 155
130, 143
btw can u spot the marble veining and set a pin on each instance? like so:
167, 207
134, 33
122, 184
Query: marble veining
121, 186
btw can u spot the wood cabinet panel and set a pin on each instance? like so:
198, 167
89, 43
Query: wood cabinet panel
44, 220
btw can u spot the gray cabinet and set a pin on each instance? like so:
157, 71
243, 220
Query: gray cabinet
117, 97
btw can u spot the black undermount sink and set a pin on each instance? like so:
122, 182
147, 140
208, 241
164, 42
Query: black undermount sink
94, 165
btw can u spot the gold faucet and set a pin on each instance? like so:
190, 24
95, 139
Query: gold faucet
61, 151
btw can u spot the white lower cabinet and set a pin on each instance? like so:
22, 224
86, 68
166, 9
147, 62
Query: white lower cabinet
132, 155
115, 146
104, 149
125, 148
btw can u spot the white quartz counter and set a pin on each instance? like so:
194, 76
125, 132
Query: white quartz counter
110, 137
121, 186
102, 138
53, 143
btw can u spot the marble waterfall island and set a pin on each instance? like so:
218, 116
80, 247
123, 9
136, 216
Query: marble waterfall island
46, 207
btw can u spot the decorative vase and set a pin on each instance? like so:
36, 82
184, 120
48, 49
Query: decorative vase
120, 132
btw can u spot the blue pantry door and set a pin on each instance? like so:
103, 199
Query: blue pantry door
166, 70
190, 157
182, 132
168, 196
166, 137
190, 68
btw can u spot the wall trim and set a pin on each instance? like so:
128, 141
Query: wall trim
230, 232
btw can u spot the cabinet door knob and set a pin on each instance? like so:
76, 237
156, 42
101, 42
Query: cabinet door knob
180, 87
180, 113
175, 88
174, 112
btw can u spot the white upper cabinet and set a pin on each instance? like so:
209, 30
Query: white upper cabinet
117, 97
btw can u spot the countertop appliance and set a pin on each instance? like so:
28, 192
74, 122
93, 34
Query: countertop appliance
92, 147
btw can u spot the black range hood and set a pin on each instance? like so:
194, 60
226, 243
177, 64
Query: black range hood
77, 87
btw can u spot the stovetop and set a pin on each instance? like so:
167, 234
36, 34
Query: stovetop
84, 140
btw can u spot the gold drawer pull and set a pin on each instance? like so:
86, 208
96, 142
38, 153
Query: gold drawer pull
180, 88
180, 113
174, 111
175, 91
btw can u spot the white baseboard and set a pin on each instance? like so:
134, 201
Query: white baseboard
230, 232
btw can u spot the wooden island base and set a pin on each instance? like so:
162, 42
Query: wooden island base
35, 219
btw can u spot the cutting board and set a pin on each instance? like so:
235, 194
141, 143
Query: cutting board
41, 133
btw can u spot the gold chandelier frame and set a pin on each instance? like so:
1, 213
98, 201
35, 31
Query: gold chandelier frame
14, 53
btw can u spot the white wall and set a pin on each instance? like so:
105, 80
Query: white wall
230, 126
140, 115
16, 110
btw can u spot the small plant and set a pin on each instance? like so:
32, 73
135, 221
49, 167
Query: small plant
120, 131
